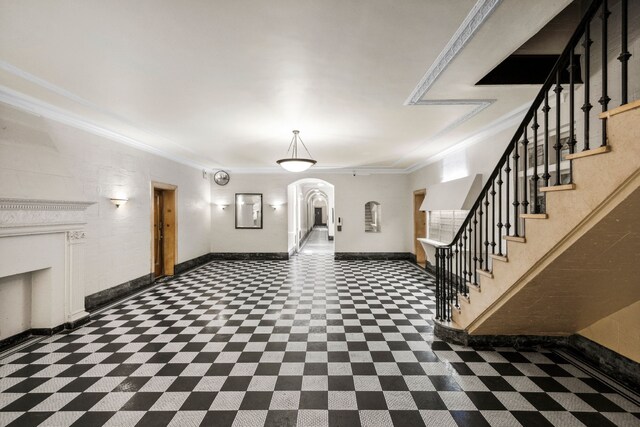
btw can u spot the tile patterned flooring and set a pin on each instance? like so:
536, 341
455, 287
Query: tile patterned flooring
308, 342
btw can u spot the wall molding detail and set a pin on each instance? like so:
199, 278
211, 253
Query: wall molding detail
20, 216
474, 20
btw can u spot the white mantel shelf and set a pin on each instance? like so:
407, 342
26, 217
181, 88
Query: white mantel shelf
36, 216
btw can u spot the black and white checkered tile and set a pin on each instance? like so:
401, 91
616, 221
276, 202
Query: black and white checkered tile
308, 342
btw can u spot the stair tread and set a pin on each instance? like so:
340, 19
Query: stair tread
499, 258
451, 324
621, 109
515, 239
564, 187
485, 273
587, 153
474, 286
534, 216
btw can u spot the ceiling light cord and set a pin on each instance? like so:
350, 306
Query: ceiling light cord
294, 143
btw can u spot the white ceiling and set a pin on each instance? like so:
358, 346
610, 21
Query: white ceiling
221, 84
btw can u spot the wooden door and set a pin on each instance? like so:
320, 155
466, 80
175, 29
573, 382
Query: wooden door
164, 220
318, 216
169, 221
419, 226
158, 226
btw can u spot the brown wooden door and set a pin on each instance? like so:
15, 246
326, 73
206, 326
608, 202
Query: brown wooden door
158, 228
419, 226
318, 216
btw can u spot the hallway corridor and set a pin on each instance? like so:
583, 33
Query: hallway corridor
308, 342
318, 242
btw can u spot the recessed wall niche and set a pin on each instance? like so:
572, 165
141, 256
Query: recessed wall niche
372, 217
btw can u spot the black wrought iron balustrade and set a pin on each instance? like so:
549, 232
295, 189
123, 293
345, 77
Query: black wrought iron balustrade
527, 168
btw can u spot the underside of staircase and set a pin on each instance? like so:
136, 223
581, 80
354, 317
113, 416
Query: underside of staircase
540, 263
580, 261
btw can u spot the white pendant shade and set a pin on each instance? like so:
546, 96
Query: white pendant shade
295, 163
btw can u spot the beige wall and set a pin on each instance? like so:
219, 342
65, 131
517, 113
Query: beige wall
351, 193
619, 332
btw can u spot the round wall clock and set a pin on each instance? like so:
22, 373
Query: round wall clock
221, 178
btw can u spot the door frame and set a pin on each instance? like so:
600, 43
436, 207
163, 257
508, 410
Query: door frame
170, 223
417, 245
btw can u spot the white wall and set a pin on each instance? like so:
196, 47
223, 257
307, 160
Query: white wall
481, 158
351, 193
49, 160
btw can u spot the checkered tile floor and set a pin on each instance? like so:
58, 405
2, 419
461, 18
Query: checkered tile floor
307, 342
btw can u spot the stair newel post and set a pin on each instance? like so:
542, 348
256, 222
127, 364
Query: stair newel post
586, 107
604, 99
535, 177
438, 292
471, 243
461, 277
452, 292
572, 133
499, 182
545, 110
480, 214
444, 258
465, 247
507, 195
525, 183
516, 181
558, 145
475, 246
456, 268
493, 217
624, 54
486, 228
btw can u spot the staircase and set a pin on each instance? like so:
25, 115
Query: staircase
552, 244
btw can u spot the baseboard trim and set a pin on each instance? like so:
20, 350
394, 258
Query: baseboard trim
606, 360
185, 266
15, 339
374, 256
102, 298
617, 366
29, 333
249, 256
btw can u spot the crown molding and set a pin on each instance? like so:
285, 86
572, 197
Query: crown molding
37, 107
479, 13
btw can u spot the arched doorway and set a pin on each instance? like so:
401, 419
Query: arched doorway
311, 212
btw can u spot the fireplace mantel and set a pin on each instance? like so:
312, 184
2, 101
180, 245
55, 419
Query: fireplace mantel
35, 216
39, 236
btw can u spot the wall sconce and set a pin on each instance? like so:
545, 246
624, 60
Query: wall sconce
119, 202
221, 206
276, 205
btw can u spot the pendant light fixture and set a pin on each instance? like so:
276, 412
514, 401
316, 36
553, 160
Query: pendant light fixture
295, 163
